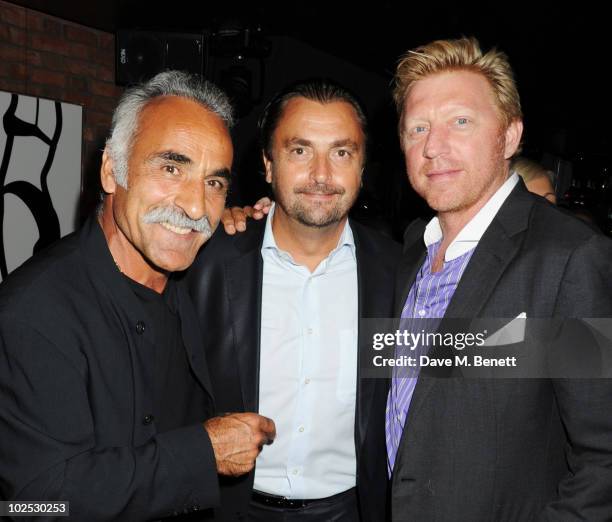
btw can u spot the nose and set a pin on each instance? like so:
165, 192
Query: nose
191, 198
436, 143
321, 169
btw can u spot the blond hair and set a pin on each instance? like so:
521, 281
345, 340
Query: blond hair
463, 54
530, 170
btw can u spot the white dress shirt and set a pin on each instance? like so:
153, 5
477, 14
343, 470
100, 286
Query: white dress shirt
308, 371
471, 233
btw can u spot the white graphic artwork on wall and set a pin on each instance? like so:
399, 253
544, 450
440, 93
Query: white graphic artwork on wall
40, 175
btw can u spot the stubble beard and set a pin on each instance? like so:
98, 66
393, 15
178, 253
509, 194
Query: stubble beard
315, 214
469, 189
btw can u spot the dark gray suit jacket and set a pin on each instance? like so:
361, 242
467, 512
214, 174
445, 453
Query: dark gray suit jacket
479, 450
226, 285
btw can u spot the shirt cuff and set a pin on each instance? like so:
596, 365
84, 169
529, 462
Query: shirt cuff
192, 449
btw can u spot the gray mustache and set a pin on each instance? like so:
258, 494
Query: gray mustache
178, 218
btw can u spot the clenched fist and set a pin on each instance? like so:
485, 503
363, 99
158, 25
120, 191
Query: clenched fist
237, 439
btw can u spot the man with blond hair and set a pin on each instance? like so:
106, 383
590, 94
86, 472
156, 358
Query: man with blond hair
491, 449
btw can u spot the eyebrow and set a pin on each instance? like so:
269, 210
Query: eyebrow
170, 155
346, 143
221, 173
298, 141
338, 143
177, 157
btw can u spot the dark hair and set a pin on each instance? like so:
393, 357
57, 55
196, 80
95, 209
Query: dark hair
320, 90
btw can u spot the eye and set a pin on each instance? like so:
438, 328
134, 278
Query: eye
417, 130
462, 121
343, 153
171, 169
217, 185
300, 153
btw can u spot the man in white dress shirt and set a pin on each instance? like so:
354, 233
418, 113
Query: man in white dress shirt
304, 276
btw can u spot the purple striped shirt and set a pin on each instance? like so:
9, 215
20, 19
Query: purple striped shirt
428, 298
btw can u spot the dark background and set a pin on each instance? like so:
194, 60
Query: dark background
560, 56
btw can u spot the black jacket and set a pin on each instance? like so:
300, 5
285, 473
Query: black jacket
477, 450
74, 398
226, 285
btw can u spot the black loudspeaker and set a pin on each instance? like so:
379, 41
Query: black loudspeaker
140, 55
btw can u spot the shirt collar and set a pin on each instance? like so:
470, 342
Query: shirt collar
269, 243
471, 233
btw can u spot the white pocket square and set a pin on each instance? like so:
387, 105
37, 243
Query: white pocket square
511, 333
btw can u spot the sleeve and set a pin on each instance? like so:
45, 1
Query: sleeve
48, 443
585, 493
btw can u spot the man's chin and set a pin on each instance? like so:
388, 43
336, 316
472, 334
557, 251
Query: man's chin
173, 267
442, 201
318, 216
172, 261
318, 220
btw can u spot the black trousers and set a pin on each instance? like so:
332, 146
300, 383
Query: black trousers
339, 508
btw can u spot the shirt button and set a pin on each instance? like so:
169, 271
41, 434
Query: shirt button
295, 471
140, 327
421, 313
301, 429
148, 419
306, 381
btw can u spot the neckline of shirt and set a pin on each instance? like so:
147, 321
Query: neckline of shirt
472, 232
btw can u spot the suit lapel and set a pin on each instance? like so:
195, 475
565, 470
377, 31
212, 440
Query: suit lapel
412, 259
367, 269
495, 251
489, 261
244, 279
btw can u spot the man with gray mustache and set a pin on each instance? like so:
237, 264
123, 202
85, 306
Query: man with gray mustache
105, 397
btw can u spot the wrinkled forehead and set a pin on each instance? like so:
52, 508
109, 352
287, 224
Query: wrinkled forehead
176, 123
